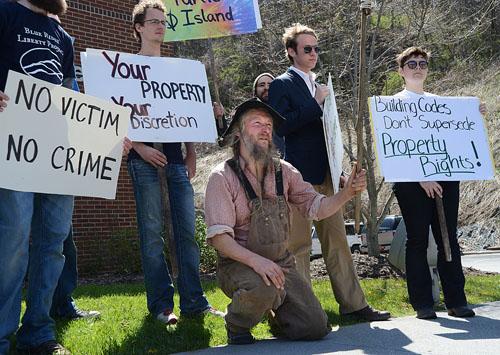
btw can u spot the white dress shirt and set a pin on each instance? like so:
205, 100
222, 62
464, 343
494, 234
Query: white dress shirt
309, 79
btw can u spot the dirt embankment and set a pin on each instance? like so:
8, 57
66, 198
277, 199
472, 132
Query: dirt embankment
369, 267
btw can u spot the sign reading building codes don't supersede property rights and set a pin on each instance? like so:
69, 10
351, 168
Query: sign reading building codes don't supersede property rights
168, 98
56, 140
430, 138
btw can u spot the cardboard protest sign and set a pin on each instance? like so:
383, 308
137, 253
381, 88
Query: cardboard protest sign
333, 136
168, 98
56, 140
195, 19
430, 138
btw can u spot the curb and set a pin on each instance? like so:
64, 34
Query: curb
481, 252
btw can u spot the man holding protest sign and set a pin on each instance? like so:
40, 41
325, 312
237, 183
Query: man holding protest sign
34, 44
63, 304
418, 207
296, 95
144, 160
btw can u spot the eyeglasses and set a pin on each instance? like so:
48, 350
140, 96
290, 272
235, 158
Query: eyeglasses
155, 21
412, 64
309, 49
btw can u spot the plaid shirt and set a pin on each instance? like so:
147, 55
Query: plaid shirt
227, 208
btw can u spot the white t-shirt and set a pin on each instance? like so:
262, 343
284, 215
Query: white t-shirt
407, 94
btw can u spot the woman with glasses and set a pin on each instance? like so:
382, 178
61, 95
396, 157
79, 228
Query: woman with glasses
416, 200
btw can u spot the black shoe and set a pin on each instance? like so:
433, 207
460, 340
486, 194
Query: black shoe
462, 312
81, 314
48, 348
239, 338
426, 313
369, 314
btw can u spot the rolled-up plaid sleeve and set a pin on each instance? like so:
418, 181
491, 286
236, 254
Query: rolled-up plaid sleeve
220, 210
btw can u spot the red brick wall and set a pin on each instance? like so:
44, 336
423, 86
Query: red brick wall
105, 231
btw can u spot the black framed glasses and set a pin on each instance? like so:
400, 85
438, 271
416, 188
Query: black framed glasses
412, 64
309, 49
155, 21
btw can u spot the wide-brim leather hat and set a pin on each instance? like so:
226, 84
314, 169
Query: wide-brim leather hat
244, 107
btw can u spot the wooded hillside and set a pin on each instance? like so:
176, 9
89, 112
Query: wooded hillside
463, 36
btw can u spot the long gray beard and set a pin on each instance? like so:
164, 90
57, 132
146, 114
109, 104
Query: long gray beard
258, 153
56, 7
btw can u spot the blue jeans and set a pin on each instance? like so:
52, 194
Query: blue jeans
49, 219
159, 286
63, 304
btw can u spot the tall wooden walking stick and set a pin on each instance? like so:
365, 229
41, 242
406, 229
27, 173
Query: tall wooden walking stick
443, 228
167, 217
366, 8
215, 80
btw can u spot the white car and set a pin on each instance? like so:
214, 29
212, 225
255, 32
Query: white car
353, 240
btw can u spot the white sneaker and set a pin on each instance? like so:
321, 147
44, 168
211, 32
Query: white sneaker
214, 312
168, 317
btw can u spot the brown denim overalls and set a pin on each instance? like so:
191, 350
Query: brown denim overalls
298, 313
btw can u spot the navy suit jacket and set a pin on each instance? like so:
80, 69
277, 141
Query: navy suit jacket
303, 128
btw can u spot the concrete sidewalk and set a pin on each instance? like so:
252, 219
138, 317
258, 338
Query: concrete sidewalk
407, 335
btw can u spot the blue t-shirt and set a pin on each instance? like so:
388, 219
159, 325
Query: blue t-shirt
33, 44
173, 152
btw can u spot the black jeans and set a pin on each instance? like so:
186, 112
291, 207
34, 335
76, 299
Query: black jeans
419, 211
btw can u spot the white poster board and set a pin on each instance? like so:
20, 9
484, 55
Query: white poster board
258, 18
430, 138
333, 136
169, 98
55, 140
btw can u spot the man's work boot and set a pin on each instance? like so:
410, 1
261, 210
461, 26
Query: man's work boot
370, 314
426, 313
242, 338
462, 312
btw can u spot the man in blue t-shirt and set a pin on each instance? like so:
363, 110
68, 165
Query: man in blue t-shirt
143, 164
63, 304
35, 45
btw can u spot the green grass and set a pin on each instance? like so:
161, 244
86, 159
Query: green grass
126, 327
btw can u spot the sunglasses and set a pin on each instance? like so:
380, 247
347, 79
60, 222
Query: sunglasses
309, 49
412, 64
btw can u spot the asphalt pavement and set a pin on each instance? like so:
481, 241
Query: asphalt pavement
484, 261
406, 335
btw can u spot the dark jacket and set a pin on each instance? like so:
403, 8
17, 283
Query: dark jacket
303, 128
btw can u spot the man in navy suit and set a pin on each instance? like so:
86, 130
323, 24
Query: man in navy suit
299, 99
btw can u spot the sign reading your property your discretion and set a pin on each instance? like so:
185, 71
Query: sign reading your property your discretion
430, 138
56, 140
168, 98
